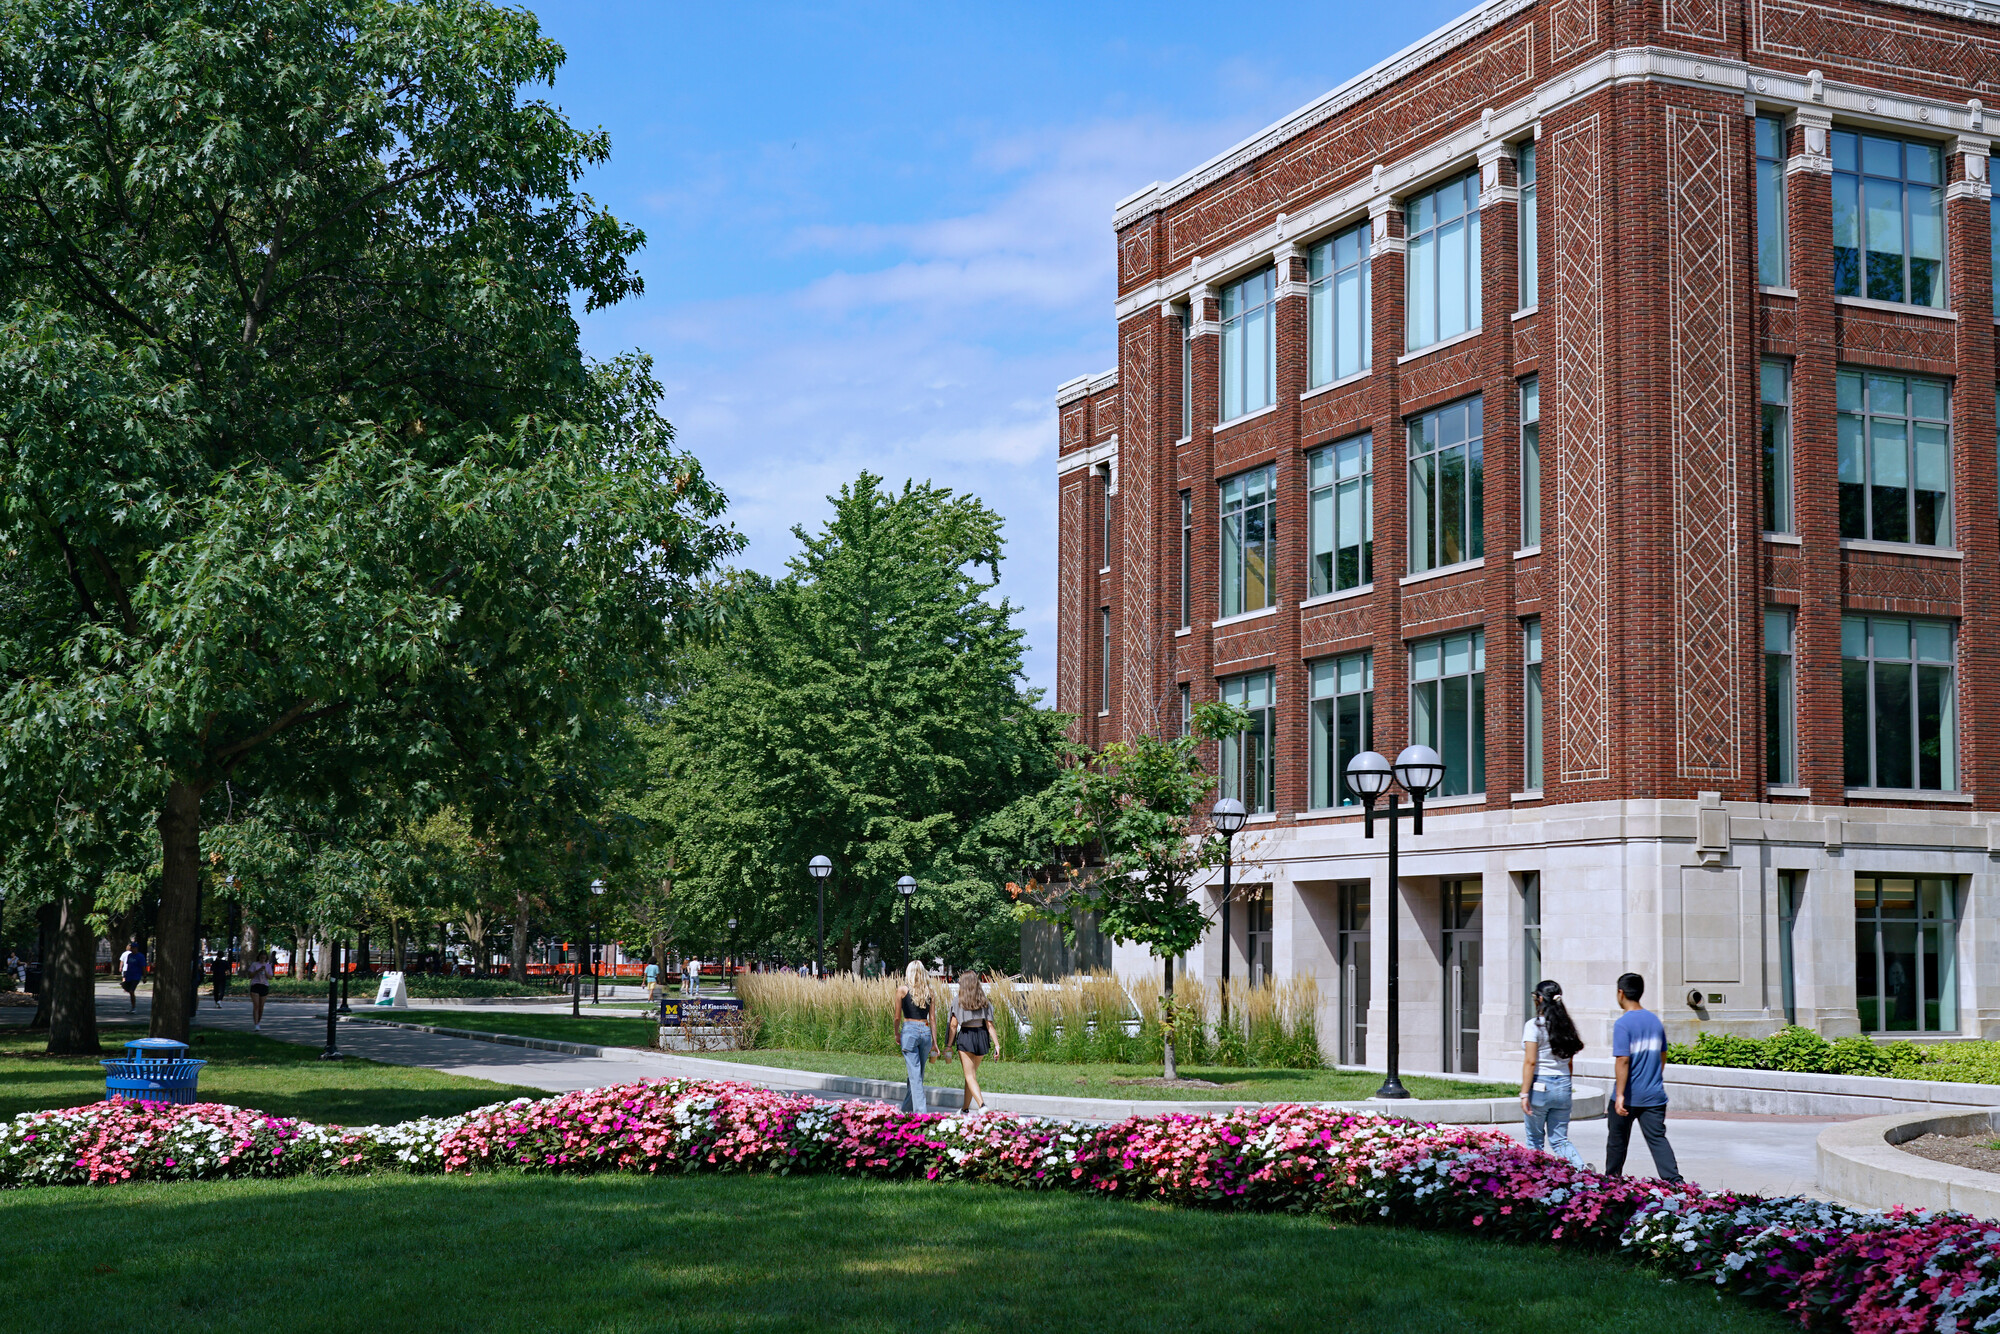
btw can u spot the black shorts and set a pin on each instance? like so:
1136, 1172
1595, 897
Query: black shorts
974, 1041
259, 989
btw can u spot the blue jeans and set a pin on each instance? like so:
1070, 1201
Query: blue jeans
917, 1040
1548, 1118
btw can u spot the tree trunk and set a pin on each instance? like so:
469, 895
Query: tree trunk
517, 959
843, 953
174, 981
46, 918
70, 978
1173, 1069
361, 954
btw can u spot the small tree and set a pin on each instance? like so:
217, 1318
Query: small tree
1137, 812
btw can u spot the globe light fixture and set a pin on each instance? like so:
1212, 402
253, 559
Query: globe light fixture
907, 887
1228, 816
821, 867
1419, 769
1369, 775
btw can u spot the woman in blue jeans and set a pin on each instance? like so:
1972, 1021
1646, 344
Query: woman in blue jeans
916, 1030
1550, 1044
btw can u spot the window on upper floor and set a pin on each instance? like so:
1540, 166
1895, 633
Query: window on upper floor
1531, 705
1531, 271
1899, 727
1249, 757
1187, 556
1771, 201
1187, 373
1441, 272
1447, 487
1249, 540
1249, 344
1448, 707
1104, 518
1888, 219
1343, 724
1895, 458
1531, 461
1775, 391
1781, 767
1340, 514
1104, 659
1337, 305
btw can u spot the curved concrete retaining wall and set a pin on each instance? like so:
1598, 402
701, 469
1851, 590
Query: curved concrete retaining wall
1858, 1161
1708, 1088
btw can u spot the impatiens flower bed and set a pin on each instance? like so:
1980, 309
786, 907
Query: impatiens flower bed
1829, 1267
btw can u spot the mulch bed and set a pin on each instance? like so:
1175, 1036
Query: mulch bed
1978, 1152
1160, 1082
19, 999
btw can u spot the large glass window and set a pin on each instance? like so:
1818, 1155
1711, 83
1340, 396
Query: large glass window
1888, 219
1531, 461
1524, 175
1343, 724
1441, 293
1775, 389
1906, 954
1249, 345
1104, 518
1338, 302
1771, 201
1780, 717
1898, 703
1187, 373
1447, 486
1895, 458
1448, 707
1249, 537
1340, 509
1187, 556
1531, 722
1248, 757
1531, 938
1791, 888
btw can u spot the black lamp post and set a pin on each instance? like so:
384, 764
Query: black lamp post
590, 932
821, 868
1419, 770
1228, 816
727, 978
343, 984
332, 1052
907, 888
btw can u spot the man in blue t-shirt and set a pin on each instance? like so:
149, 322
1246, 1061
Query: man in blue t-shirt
1639, 1041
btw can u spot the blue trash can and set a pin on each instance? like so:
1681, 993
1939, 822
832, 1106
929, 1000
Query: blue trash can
157, 1070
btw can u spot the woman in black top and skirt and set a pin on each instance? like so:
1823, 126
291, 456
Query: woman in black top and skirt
916, 1030
972, 1035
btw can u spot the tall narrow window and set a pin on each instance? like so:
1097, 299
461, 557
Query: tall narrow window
1187, 372
1775, 389
1340, 514
1448, 707
1898, 705
1442, 292
1187, 556
1248, 757
1531, 461
1531, 269
1187, 708
1104, 659
1249, 345
1895, 458
1888, 219
1104, 518
1780, 718
1791, 888
1249, 537
1338, 327
1531, 721
1993, 228
1771, 201
1447, 486
1906, 954
1343, 724
1531, 938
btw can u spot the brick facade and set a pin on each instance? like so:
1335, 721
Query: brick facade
1653, 572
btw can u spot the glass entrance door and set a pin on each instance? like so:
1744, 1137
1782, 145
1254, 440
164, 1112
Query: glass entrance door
1257, 938
1352, 952
1462, 958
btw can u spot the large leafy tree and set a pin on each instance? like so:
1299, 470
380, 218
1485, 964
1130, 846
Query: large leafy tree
869, 706
304, 477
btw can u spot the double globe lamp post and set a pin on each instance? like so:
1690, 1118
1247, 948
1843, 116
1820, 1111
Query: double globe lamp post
1228, 816
1419, 769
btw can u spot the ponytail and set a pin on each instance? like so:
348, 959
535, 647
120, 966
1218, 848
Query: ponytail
1564, 1041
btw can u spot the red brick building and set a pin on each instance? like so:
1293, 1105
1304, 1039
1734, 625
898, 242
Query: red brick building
1603, 394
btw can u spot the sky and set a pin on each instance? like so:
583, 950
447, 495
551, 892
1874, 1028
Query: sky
879, 235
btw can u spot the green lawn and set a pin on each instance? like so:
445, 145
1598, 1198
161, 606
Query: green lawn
252, 1071
732, 1253
602, 1030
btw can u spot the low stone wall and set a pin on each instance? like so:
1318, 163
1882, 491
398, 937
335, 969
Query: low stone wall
1858, 1161
1709, 1088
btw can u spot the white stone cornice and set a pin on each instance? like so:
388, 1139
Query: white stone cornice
1104, 453
1980, 190
1083, 386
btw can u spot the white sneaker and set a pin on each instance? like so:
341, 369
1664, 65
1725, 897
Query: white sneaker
256, 1028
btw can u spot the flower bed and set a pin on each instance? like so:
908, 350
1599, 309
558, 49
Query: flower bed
1829, 1267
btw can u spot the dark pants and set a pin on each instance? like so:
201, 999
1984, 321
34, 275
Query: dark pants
1653, 1125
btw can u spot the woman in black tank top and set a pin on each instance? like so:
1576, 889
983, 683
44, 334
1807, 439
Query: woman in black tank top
916, 1030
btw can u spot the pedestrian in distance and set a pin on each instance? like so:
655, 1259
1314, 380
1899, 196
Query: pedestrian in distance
257, 975
972, 1035
1639, 1042
1549, 1046
652, 981
916, 1030
131, 971
691, 977
218, 975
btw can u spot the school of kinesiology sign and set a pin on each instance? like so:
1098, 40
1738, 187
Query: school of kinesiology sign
304, 477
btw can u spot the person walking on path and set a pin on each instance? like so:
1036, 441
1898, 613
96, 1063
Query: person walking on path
916, 1030
1549, 1045
691, 976
218, 975
1639, 1042
652, 980
131, 971
257, 974
972, 1035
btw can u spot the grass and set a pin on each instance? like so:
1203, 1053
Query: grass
1095, 1081
252, 1071
735, 1253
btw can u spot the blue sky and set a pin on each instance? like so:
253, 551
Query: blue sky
879, 235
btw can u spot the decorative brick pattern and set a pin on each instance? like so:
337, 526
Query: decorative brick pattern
1583, 749
1528, 582
1707, 617
1699, 19
1104, 417
1781, 572
1070, 649
1072, 428
1445, 602
1329, 631
1912, 343
1342, 412
1447, 375
1240, 648
1527, 340
1778, 324
1139, 508
1870, 41
1926, 589
1135, 255
1239, 447
1574, 27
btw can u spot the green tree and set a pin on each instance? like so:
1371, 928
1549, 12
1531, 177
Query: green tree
1138, 813
304, 478
868, 706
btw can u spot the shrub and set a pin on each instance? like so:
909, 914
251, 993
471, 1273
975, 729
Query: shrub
1856, 1055
1797, 1049
1800, 1049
